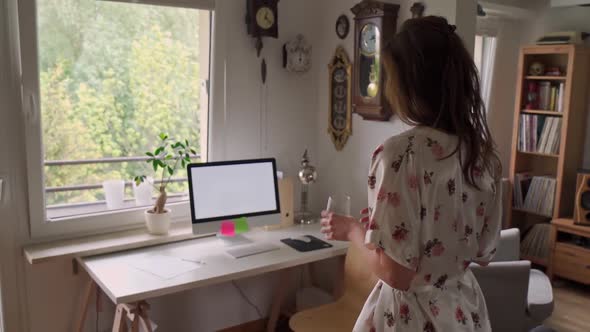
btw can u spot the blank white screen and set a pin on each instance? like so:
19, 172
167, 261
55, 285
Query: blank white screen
226, 190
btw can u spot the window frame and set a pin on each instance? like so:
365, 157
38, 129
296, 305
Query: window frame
95, 223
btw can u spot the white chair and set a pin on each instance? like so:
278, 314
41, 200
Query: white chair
518, 297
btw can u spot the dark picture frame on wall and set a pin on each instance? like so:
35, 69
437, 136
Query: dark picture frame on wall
342, 26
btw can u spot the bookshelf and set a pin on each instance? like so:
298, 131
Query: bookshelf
562, 161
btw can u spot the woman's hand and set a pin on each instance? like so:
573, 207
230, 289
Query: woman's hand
337, 227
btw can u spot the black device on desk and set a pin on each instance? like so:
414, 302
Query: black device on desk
306, 243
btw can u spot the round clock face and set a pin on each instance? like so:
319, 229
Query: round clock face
369, 39
265, 18
339, 75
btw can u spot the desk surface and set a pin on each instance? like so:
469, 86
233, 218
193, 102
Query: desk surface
125, 284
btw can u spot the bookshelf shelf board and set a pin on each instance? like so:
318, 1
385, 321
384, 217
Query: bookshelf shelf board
548, 155
546, 78
535, 260
542, 112
530, 212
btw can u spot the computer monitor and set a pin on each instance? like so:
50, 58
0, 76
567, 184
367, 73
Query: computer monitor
226, 190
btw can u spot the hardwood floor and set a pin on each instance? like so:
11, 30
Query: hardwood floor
572, 307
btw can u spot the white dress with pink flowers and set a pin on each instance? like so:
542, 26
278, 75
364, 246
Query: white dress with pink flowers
428, 218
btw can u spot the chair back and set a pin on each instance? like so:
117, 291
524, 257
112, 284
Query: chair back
508, 248
505, 288
359, 281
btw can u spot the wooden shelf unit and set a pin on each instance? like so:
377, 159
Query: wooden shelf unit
575, 61
568, 259
542, 112
546, 78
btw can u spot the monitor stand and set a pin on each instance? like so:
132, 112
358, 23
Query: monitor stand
231, 241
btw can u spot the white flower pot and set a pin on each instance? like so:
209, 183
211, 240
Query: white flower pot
157, 223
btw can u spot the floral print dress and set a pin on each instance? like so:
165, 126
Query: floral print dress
428, 218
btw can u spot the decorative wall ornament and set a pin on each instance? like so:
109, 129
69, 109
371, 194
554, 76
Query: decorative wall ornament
307, 176
297, 55
342, 26
340, 115
417, 10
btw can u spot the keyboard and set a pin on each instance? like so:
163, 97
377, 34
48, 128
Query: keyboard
251, 249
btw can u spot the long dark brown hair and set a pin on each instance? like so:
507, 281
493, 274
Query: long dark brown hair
431, 80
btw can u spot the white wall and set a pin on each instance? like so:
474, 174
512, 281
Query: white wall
501, 109
345, 172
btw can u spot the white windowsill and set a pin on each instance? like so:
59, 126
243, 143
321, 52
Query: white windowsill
106, 243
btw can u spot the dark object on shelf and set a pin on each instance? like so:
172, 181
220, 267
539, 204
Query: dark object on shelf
304, 246
563, 37
417, 10
342, 26
582, 204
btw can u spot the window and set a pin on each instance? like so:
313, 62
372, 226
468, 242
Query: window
101, 82
484, 56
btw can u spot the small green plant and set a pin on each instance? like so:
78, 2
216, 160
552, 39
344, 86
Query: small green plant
166, 158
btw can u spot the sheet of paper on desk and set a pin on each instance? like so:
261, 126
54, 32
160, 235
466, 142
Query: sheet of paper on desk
165, 267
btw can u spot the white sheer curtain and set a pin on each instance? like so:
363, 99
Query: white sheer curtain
485, 54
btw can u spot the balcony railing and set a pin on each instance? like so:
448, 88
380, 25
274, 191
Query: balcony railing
81, 187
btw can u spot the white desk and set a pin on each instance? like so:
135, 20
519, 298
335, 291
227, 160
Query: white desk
124, 284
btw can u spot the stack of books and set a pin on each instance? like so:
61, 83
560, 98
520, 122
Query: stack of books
536, 242
535, 194
550, 96
539, 133
522, 182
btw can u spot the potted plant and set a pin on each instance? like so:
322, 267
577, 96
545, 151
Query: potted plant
166, 158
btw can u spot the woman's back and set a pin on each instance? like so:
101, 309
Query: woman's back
426, 217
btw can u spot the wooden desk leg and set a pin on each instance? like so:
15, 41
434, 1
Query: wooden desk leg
120, 321
281, 287
338, 289
137, 313
90, 289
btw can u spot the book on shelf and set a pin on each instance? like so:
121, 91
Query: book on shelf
560, 93
522, 182
547, 96
539, 133
544, 95
535, 194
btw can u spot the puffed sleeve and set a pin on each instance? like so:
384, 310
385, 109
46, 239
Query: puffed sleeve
490, 232
394, 201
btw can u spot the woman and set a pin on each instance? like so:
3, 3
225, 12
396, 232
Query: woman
434, 193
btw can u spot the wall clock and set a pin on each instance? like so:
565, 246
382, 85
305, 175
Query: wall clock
340, 115
342, 26
262, 20
297, 55
374, 23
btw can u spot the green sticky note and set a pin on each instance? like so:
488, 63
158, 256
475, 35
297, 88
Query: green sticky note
241, 225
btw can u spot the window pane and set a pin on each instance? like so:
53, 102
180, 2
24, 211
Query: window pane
114, 76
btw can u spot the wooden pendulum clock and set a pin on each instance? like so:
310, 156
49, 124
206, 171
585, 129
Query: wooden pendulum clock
375, 23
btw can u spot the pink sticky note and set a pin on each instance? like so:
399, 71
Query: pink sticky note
228, 228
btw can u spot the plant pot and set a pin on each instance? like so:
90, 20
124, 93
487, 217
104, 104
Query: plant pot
157, 223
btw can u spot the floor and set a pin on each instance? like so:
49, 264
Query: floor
572, 307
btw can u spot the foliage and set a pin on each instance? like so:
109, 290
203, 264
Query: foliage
167, 157
111, 76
